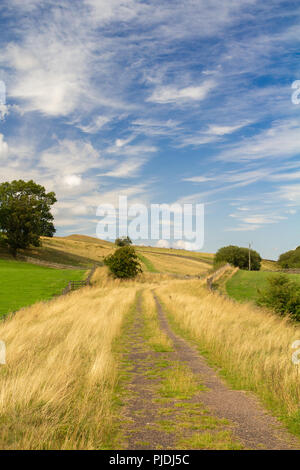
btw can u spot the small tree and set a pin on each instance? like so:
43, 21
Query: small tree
124, 263
282, 295
123, 241
238, 257
25, 214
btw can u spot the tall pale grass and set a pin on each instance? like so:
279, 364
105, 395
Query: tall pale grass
103, 278
251, 345
57, 389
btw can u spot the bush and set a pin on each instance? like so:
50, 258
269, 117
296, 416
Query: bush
124, 241
290, 259
238, 257
124, 263
282, 295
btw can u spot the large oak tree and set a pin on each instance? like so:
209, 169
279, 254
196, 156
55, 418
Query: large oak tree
25, 214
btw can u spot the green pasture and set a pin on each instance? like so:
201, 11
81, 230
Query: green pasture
23, 284
244, 285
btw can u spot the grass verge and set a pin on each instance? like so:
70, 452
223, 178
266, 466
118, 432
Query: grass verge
58, 388
250, 345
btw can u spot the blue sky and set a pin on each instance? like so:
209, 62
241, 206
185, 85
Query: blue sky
162, 101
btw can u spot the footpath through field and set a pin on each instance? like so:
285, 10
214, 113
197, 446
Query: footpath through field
174, 400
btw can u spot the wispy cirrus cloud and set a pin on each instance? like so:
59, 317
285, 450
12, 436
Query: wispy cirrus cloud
171, 94
281, 140
100, 92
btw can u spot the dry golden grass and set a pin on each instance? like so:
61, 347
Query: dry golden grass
81, 246
102, 278
178, 252
268, 265
253, 346
56, 391
177, 265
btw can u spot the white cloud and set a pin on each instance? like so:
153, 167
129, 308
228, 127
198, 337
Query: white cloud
154, 127
197, 139
3, 147
136, 194
131, 150
224, 130
122, 142
290, 193
69, 157
127, 169
171, 94
104, 11
95, 125
4, 111
282, 140
243, 228
262, 219
183, 245
163, 244
72, 180
198, 179
48, 76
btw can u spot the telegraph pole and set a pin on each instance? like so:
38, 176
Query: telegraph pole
249, 256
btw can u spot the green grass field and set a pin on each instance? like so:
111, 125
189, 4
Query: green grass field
244, 285
23, 284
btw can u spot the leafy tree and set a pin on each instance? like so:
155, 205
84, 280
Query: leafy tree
239, 257
25, 214
123, 241
290, 259
124, 263
282, 295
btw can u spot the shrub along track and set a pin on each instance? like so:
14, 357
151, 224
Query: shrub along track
174, 400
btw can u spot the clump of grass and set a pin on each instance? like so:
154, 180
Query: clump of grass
156, 338
179, 382
222, 440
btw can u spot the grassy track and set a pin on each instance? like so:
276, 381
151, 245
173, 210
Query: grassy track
23, 284
244, 285
149, 266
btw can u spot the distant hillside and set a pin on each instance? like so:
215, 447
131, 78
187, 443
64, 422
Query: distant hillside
84, 251
76, 250
87, 239
270, 265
